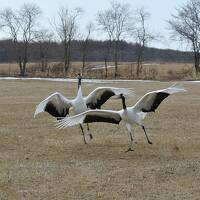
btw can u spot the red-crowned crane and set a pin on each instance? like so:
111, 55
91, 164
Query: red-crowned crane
58, 106
129, 115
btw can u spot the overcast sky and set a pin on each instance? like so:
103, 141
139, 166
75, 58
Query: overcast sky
160, 11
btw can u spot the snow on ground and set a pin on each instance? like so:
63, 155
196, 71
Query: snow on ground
86, 80
97, 67
75, 80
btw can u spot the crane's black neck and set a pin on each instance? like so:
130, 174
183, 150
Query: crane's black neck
79, 81
123, 101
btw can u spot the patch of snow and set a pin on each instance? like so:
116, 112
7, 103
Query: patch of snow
100, 67
112, 66
73, 80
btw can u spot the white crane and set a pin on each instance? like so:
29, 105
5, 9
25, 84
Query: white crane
129, 115
58, 106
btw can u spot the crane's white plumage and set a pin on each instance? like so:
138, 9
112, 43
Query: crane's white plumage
101, 94
58, 106
150, 101
90, 116
130, 115
94, 100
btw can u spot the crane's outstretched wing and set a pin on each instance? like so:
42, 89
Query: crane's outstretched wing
91, 116
101, 94
56, 105
150, 101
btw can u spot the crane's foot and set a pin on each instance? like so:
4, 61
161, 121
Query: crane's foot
150, 142
90, 136
84, 140
129, 149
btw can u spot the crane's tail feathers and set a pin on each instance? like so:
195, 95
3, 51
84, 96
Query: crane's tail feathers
67, 122
60, 124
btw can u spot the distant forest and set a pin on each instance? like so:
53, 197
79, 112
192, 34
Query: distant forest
96, 51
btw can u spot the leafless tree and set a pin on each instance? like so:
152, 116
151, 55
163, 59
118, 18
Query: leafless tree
105, 22
21, 25
27, 18
44, 38
85, 42
107, 55
116, 22
142, 36
185, 26
66, 27
10, 24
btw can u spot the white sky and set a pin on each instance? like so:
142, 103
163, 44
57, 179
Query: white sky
160, 11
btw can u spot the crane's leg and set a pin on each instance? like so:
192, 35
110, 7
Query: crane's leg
130, 146
146, 135
83, 134
90, 135
131, 138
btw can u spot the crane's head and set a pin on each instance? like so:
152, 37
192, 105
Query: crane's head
79, 80
121, 96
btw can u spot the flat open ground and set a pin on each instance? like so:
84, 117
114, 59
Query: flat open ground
37, 161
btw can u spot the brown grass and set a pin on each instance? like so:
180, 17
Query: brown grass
37, 161
126, 70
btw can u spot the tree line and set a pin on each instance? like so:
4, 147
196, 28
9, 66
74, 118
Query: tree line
27, 41
96, 51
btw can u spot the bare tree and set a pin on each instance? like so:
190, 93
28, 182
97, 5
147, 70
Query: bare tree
44, 39
27, 18
85, 42
185, 26
66, 28
116, 22
107, 55
142, 36
10, 24
21, 27
106, 24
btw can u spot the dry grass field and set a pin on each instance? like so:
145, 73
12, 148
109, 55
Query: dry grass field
37, 161
126, 70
